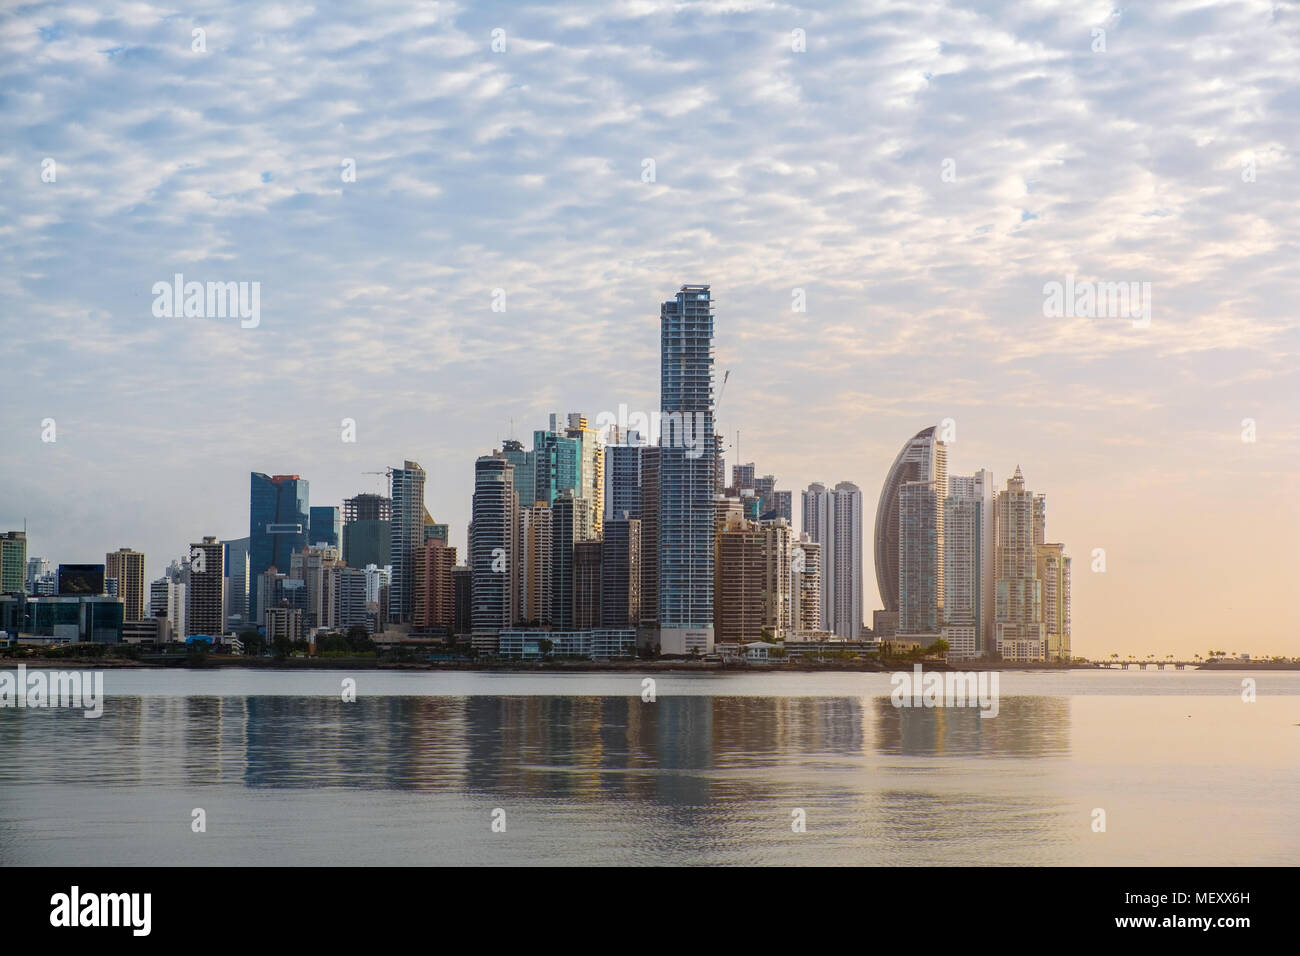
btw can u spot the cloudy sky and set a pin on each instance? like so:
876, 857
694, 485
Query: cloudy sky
920, 170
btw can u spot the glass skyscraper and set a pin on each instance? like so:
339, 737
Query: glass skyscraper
557, 465
686, 473
326, 525
623, 479
406, 534
924, 458
278, 520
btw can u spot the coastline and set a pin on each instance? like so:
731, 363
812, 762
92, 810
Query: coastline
217, 662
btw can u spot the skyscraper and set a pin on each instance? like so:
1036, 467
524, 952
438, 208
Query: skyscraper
920, 598
238, 582
833, 519
1053, 570
753, 580
650, 537
623, 478
923, 458
13, 562
687, 464
435, 594
525, 472
569, 527
205, 595
407, 535
591, 468
367, 530
586, 584
1018, 626
968, 594
535, 558
325, 525
492, 550
127, 567
620, 572
557, 464
278, 521
806, 585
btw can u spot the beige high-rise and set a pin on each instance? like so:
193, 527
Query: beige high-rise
128, 567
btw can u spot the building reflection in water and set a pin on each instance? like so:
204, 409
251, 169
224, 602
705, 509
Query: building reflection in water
1024, 727
677, 751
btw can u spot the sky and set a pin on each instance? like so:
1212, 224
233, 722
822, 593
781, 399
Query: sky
917, 173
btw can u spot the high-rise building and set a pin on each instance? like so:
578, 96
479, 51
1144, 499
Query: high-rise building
462, 578
968, 595
570, 526
846, 566
128, 567
310, 566
620, 572
167, 599
586, 584
367, 530
920, 595
325, 525
205, 594
1053, 570
1018, 626
37, 569
923, 458
238, 583
278, 521
557, 464
833, 519
535, 558
367, 507
13, 562
591, 468
687, 473
623, 478
350, 598
407, 535
492, 550
435, 593
525, 472
650, 537
806, 585
752, 591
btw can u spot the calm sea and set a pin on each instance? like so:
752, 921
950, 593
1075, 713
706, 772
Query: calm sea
713, 771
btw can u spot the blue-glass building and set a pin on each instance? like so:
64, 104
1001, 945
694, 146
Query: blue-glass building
557, 466
623, 480
686, 473
278, 521
326, 525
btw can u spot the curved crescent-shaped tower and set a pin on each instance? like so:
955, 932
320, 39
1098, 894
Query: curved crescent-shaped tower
923, 458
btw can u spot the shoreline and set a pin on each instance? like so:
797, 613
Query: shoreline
575, 667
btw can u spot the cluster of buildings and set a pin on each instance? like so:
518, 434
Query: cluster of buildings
960, 561
599, 542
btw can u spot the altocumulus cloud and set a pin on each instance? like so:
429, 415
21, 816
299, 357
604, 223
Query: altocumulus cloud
522, 170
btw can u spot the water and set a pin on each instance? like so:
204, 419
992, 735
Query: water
709, 773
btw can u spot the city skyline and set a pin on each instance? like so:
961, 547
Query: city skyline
922, 295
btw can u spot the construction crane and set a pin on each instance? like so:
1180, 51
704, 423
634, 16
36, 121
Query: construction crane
387, 473
716, 406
